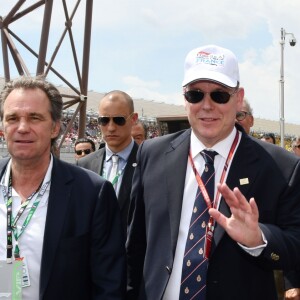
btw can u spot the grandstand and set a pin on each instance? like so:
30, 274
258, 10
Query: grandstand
149, 110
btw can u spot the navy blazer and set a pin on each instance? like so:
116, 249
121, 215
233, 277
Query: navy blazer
155, 210
83, 254
94, 162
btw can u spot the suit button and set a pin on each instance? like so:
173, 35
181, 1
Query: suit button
274, 256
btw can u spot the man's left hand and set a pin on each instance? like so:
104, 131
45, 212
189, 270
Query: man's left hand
242, 226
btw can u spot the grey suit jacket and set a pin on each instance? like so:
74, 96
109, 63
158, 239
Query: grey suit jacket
155, 211
94, 162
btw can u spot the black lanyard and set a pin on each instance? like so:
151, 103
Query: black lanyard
12, 222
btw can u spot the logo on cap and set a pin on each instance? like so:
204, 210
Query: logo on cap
210, 58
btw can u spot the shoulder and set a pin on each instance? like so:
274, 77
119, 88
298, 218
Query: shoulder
269, 153
98, 154
173, 139
67, 171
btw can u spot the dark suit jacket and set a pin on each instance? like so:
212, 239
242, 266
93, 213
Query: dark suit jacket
94, 162
155, 210
83, 254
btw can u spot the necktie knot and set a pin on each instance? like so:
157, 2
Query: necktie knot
209, 156
115, 158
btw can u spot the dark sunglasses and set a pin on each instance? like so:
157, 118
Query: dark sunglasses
118, 120
296, 146
241, 115
220, 97
86, 151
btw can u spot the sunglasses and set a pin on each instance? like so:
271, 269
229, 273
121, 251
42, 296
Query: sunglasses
220, 97
241, 115
296, 146
118, 120
86, 151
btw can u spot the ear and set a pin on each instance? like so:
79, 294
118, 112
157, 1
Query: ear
55, 129
134, 118
240, 97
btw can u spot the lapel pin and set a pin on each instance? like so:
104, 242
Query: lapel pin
244, 181
134, 165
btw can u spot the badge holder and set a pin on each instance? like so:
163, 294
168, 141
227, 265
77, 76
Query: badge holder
11, 280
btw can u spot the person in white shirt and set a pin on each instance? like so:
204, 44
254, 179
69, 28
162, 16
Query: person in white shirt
61, 221
194, 236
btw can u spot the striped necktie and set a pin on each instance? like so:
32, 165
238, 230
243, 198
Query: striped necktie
194, 268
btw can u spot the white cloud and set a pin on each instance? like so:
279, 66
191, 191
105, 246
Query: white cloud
154, 37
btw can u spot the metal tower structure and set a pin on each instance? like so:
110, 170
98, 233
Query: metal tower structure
45, 58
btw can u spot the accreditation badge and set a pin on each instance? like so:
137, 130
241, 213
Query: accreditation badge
11, 280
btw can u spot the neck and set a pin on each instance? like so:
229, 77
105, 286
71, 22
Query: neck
119, 148
26, 178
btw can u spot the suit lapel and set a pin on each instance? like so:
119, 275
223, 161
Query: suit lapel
58, 202
241, 174
98, 161
126, 184
179, 148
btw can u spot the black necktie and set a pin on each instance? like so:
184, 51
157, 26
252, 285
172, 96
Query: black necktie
194, 268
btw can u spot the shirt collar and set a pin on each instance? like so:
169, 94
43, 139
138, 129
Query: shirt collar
124, 154
5, 178
222, 147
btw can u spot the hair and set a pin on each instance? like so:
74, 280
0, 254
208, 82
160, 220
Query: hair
269, 136
247, 105
32, 83
86, 140
125, 95
144, 127
296, 139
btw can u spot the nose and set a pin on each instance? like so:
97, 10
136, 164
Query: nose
111, 125
207, 102
23, 125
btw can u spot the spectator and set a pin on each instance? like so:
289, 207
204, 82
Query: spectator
269, 138
83, 147
245, 116
296, 145
139, 132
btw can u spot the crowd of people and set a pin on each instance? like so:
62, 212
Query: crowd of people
205, 213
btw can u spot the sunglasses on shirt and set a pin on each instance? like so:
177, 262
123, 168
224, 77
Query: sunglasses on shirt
86, 151
118, 120
220, 97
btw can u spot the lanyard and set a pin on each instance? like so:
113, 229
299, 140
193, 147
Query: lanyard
12, 222
210, 226
118, 175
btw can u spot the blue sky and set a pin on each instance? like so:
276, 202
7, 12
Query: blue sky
139, 46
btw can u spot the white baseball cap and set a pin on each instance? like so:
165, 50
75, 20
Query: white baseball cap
211, 63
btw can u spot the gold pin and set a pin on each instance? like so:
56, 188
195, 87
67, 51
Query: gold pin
244, 181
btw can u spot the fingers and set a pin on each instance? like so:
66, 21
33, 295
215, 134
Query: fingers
234, 198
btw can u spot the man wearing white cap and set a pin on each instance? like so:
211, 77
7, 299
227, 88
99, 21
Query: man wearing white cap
213, 211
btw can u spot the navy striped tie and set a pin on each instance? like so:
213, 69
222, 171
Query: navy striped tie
194, 268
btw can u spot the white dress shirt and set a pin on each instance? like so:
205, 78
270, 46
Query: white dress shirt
190, 189
31, 241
